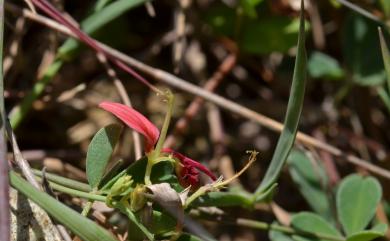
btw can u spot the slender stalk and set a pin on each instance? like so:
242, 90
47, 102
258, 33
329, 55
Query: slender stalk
87, 208
4, 185
77, 193
64, 181
164, 130
154, 155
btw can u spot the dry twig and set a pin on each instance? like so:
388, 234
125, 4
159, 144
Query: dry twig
231, 106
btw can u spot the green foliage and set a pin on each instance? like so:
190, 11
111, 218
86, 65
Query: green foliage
361, 51
278, 236
324, 66
254, 35
357, 199
286, 139
249, 7
268, 35
99, 152
365, 236
310, 222
311, 181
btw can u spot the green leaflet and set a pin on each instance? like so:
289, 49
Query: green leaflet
99, 152
354, 209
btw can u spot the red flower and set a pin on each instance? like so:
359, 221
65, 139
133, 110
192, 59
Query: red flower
134, 120
187, 170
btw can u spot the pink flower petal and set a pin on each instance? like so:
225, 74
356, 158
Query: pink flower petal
134, 120
186, 161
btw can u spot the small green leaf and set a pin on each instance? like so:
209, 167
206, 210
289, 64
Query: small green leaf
294, 107
311, 181
264, 36
324, 66
310, 222
361, 51
380, 227
99, 152
356, 200
249, 7
364, 236
278, 236
377, 231
78, 224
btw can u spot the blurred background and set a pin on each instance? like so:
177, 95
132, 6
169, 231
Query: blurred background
250, 44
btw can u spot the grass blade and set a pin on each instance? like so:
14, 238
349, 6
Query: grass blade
79, 225
385, 56
286, 139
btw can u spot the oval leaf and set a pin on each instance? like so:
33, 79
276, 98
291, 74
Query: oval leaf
365, 236
357, 199
313, 223
99, 152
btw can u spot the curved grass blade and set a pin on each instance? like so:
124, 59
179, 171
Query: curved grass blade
385, 56
286, 139
79, 225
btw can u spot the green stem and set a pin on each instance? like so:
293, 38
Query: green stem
201, 191
87, 208
148, 171
77, 193
134, 219
153, 157
64, 181
163, 134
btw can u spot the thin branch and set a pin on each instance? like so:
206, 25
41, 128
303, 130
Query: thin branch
231, 106
19, 159
211, 84
361, 11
